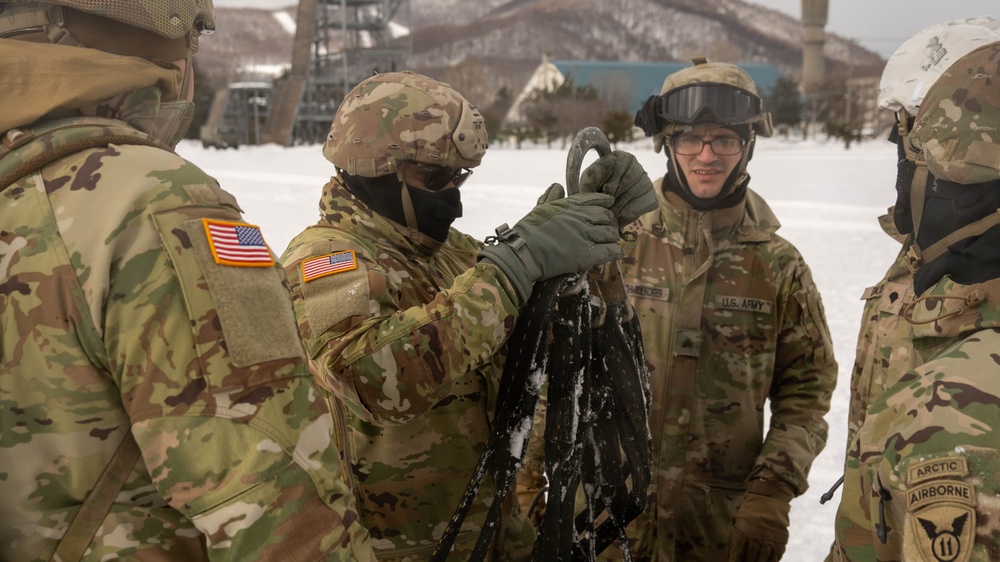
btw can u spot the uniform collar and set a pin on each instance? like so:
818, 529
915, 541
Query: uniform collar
750, 220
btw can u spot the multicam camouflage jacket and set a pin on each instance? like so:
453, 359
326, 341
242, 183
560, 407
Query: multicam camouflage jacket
731, 320
411, 344
884, 354
928, 453
123, 315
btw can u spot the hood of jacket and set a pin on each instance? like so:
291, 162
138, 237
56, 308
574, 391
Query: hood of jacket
56, 81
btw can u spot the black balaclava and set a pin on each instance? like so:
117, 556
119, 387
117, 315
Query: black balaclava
905, 169
729, 196
949, 206
435, 211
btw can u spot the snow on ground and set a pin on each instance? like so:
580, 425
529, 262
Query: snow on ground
827, 198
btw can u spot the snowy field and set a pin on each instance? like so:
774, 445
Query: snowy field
827, 199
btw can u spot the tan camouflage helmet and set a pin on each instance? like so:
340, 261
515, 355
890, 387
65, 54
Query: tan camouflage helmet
712, 73
396, 117
172, 19
958, 124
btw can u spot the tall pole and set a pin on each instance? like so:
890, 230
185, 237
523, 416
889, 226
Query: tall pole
814, 15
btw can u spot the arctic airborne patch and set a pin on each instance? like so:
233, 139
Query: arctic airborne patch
744, 303
936, 468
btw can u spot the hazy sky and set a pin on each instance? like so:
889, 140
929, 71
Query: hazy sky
880, 25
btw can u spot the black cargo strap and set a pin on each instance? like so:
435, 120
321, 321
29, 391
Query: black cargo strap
596, 435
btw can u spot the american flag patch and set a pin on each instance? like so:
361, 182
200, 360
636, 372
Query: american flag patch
237, 243
314, 268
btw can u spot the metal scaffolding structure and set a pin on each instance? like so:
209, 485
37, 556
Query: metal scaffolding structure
338, 43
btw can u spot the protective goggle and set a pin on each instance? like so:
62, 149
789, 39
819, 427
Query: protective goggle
436, 178
699, 102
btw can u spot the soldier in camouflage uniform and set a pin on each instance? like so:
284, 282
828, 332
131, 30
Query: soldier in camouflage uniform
403, 324
928, 454
731, 320
885, 351
155, 401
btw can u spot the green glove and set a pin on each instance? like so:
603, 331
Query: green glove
760, 528
620, 174
567, 235
553, 193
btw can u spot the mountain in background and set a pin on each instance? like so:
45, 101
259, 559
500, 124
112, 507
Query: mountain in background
481, 47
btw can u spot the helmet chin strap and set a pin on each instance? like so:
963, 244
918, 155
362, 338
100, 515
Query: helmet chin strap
410, 214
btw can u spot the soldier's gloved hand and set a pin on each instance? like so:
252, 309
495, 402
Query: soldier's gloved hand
567, 235
760, 528
555, 192
620, 174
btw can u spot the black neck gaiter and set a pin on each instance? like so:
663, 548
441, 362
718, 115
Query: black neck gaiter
434, 211
949, 206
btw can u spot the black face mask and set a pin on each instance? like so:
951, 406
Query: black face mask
435, 211
949, 206
901, 213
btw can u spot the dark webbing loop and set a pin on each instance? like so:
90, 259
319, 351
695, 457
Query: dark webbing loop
596, 435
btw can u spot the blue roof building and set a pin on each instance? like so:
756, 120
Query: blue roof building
624, 85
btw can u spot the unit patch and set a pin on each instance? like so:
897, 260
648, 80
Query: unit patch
944, 532
744, 303
648, 292
314, 268
941, 509
237, 243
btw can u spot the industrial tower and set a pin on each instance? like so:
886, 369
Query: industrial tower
814, 15
338, 43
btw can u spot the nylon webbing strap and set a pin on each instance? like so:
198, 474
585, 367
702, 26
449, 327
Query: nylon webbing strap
598, 398
918, 187
95, 508
516, 403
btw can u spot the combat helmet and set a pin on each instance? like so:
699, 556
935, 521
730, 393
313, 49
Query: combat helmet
400, 117
919, 61
957, 123
955, 129
708, 92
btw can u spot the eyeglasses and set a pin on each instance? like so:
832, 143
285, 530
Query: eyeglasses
722, 146
701, 102
437, 178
